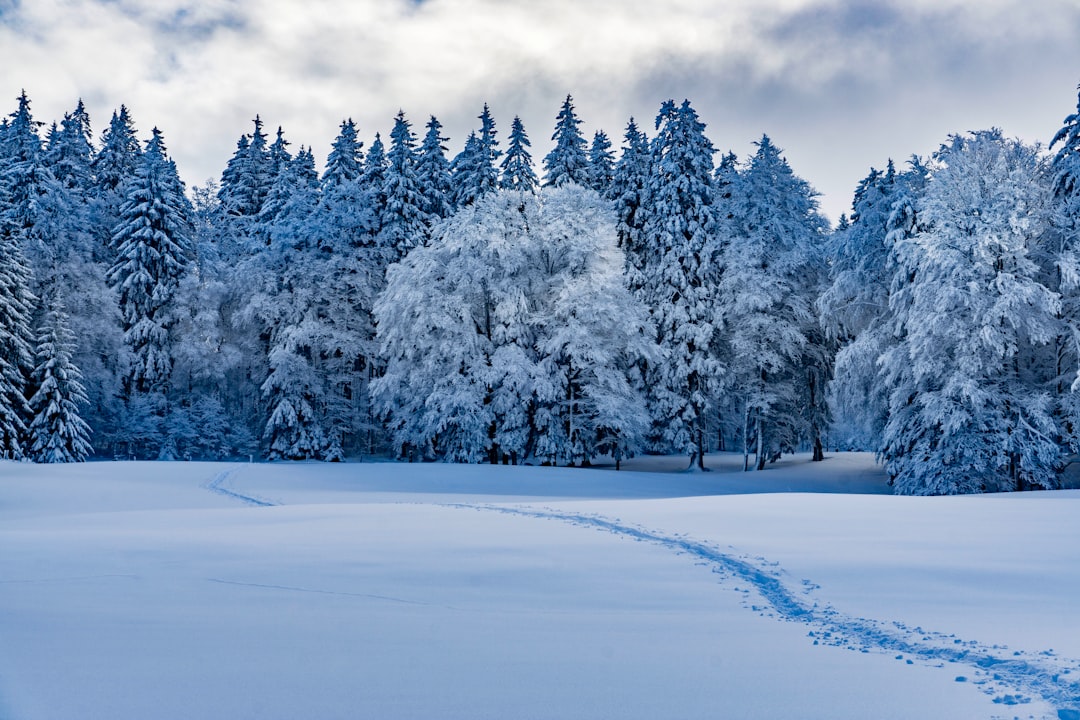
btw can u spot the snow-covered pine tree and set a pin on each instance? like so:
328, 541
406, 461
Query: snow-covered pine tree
152, 246
433, 173
117, 160
114, 165
278, 156
627, 191
285, 304
964, 416
855, 313
601, 164
16, 337
679, 229
473, 170
568, 161
403, 223
764, 302
71, 156
247, 177
345, 161
1061, 263
57, 432
517, 165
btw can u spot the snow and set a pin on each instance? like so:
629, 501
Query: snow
213, 590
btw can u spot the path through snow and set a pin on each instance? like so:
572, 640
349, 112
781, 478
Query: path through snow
1011, 677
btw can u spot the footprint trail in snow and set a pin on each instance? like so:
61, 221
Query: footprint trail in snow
1012, 677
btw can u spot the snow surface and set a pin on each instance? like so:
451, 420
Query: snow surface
210, 590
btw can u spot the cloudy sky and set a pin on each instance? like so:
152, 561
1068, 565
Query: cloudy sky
841, 86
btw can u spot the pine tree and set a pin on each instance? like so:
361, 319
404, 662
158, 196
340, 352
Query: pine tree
403, 223
567, 162
517, 170
286, 305
278, 156
71, 156
58, 433
466, 173
433, 174
473, 170
16, 359
1061, 263
118, 158
152, 247
627, 191
345, 162
766, 292
854, 308
601, 164
247, 178
679, 287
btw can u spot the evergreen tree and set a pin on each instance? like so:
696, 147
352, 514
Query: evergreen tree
58, 433
855, 312
601, 164
473, 170
247, 177
567, 162
16, 359
345, 162
278, 156
1061, 263
466, 173
118, 158
627, 190
679, 286
403, 223
152, 247
71, 156
286, 305
517, 171
433, 174
766, 292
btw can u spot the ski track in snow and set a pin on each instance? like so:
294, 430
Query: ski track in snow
1012, 677
217, 485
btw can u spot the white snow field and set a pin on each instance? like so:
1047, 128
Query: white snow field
159, 591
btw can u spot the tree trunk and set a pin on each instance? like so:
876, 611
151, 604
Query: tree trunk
760, 445
746, 438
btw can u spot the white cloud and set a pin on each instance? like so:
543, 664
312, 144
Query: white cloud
840, 85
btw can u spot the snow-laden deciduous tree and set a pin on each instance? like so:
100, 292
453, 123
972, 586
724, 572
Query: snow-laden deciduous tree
679, 283
964, 415
58, 433
512, 333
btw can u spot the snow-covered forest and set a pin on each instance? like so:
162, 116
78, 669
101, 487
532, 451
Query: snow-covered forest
655, 297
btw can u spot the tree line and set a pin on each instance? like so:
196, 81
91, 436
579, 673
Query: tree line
407, 303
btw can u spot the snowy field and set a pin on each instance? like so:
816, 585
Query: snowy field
200, 590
